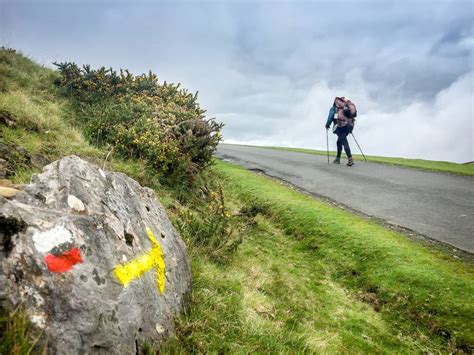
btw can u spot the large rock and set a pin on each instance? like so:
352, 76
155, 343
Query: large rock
75, 251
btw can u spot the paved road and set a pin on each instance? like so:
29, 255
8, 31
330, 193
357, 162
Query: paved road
437, 205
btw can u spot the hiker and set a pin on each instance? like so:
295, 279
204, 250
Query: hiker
342, 114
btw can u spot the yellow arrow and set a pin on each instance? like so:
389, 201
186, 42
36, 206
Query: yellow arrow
127, 272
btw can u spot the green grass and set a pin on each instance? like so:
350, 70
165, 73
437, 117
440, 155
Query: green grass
310, 277
16, 335
442, 166
18, 72
42, 120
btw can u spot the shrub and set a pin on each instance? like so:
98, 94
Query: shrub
141, 118
210, 226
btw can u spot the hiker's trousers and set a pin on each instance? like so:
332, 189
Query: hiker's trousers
342, 133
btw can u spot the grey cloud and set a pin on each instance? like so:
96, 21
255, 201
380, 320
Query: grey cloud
454, 43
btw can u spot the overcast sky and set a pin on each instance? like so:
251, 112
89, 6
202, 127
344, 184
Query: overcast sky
270, 69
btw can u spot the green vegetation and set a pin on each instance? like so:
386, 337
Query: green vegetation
443, 166
311, 277
207, 225
16, 335
34, 118
159, 123
274, 270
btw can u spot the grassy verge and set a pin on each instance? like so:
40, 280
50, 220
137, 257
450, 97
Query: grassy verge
442, 166
310, 277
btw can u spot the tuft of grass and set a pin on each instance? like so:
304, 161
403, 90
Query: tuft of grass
23, 175
16, 335
31, 112
18, 72
41, 121
432, 165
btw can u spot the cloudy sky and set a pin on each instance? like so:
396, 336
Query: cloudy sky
271, 69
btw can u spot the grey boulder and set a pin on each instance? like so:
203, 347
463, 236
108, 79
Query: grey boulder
93, 259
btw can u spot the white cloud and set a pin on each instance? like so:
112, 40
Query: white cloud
438, 129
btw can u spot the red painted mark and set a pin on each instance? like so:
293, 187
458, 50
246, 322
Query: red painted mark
63, 262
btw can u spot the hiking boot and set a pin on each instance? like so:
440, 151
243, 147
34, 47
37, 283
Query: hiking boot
350, 162
337, 161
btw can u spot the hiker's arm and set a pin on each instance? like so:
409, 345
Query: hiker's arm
332, 111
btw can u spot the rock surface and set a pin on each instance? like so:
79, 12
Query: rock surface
62, 242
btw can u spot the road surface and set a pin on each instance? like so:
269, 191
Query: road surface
437, 205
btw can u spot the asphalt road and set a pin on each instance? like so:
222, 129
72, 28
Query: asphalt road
437, 205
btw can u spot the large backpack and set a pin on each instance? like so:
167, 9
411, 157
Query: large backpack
348, 109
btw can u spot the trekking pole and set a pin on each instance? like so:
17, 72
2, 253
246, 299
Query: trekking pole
358, 146
327, 143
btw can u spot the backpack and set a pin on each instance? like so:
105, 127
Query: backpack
348, 108
348, 112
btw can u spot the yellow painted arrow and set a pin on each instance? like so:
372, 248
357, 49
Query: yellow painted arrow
135, 268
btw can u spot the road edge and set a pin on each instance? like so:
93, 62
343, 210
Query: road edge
426, 241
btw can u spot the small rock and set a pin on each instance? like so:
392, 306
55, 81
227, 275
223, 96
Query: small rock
8, 191
75, 204
160, 329
7, 119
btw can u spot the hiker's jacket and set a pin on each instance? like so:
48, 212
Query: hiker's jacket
342, 120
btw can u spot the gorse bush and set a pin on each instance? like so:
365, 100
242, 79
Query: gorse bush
210, 225
141, 118
164, 126
159, 130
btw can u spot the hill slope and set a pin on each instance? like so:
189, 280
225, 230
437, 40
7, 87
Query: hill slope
274, 270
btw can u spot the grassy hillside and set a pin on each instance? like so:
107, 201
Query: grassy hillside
442, 166
34, 117
312, 278
274, 270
